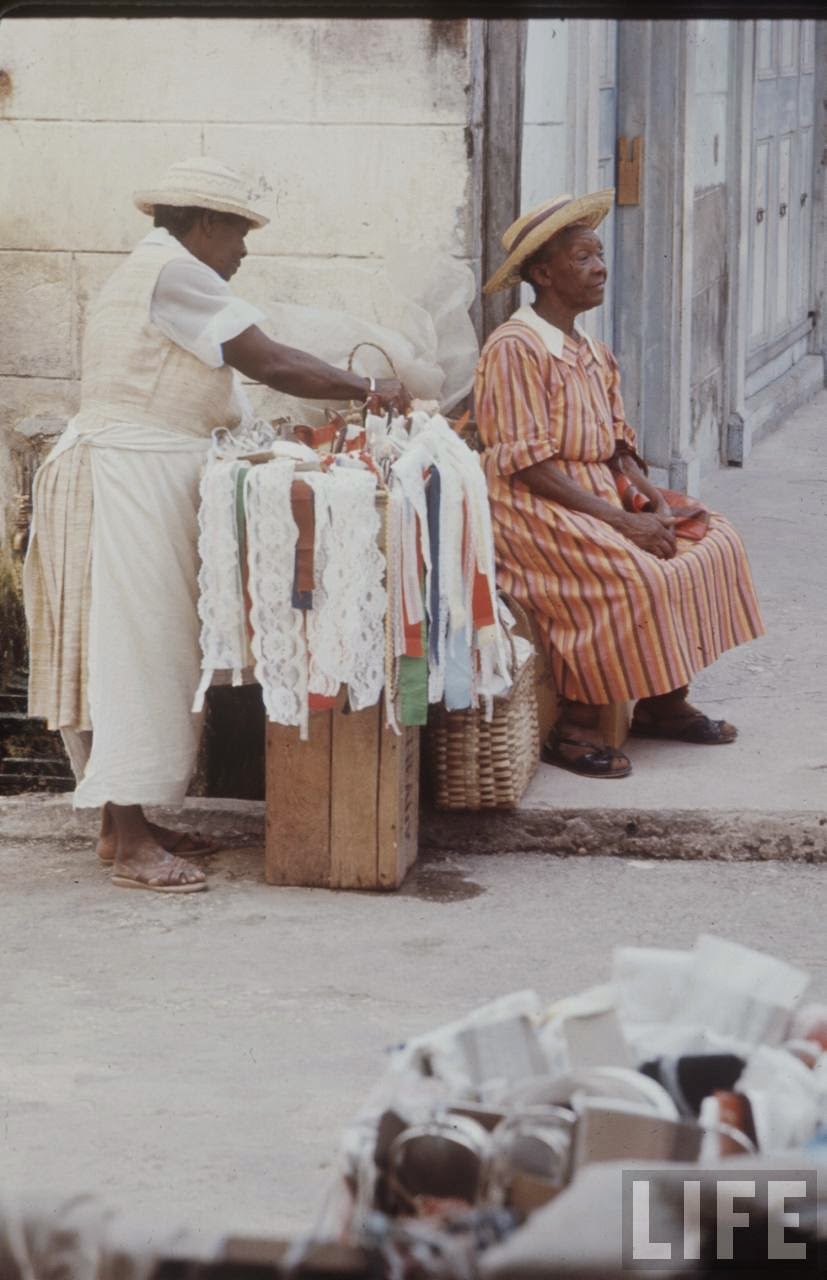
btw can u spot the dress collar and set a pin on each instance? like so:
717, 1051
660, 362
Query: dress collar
553, 338
160, 235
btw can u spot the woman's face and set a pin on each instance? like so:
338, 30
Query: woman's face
574, 272
218, 240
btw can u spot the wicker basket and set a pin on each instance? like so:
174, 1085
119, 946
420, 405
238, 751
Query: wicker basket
479, 764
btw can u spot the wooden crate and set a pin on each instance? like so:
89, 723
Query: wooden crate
343, 807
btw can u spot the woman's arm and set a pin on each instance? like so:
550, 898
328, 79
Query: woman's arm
296, 373
651, 532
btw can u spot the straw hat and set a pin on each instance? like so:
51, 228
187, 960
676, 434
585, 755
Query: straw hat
525, 236
202, 183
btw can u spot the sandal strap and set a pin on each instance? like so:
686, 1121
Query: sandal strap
594, 754
593, 759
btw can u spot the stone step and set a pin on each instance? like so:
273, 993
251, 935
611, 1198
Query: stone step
10, 721
18, 784
42, 766
13, 704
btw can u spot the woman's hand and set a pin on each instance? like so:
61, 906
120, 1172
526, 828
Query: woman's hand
651, 531
389, 394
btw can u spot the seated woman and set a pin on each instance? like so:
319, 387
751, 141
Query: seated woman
628, 607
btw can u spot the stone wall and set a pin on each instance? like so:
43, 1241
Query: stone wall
362, 134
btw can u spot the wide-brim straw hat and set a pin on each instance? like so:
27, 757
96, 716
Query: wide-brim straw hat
531, 231
202, 183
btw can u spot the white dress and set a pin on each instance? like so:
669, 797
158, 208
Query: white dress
144, 654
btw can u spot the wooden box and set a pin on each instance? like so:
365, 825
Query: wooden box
343, 807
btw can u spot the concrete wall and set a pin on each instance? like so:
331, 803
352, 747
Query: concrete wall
361, 132
569, 128
710, 96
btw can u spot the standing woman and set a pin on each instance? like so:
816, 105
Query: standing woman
628, 607
110, 581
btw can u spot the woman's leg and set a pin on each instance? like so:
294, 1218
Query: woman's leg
141, 863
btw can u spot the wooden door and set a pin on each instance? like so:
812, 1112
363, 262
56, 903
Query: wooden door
781, 285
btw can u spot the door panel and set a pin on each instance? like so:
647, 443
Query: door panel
782, 168
782, 257
788, 47
804, 203
765, 48
760, 240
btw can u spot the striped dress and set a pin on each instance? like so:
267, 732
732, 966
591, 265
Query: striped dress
619, 622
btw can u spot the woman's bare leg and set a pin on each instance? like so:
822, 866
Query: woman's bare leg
140, 859
185, 843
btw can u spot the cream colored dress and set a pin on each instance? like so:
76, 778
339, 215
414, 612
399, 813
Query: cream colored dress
110, 581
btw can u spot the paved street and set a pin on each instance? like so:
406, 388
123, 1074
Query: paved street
206, 1052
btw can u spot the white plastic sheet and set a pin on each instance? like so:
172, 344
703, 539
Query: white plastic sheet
425, 329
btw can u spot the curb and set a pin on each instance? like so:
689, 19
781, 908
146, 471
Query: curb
677, 834
39, 817
664, 834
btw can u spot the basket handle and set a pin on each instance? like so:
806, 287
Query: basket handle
376, 347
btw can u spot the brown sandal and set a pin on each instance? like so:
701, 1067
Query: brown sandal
693, 727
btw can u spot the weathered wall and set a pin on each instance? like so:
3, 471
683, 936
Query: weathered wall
569, 125
359, 132
710, 269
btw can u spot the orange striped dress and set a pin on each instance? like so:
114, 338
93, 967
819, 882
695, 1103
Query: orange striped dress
619, 622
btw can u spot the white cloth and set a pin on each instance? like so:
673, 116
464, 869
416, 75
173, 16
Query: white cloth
194, 307
346, 626
144, 655
463, 498
45, 1234
341, 640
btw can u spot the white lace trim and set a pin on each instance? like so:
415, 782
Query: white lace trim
224, 643
346, 626
278, 642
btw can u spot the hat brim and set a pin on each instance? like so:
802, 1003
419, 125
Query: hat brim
589, 210
180, 199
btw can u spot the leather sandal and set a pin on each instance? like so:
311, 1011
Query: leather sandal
593, 761
695, 727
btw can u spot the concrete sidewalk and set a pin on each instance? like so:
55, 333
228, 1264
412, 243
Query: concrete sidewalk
765, 794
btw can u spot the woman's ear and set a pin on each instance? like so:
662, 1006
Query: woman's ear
208, 222
541, 273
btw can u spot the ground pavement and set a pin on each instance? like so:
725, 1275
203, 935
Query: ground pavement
204, 1053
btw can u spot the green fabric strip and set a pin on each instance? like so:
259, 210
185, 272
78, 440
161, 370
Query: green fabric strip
413, 690
413, 681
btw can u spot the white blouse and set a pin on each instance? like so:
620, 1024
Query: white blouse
194, 307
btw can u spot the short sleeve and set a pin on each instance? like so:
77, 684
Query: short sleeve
194, 307
515, 390
622, 430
